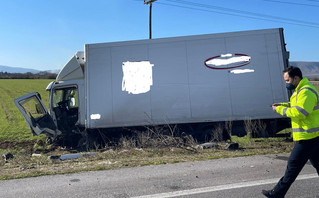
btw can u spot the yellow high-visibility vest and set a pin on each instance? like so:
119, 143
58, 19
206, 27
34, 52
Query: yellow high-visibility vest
303, 110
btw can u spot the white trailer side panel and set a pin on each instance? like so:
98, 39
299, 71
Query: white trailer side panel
183, 89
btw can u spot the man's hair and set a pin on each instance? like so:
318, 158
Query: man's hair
293, 71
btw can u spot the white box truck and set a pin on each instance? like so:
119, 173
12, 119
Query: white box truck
182, 80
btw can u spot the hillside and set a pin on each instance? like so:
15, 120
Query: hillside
17, 69
22, 70
309, 69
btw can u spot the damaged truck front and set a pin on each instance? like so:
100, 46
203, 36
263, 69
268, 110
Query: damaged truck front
63, 118
192, 80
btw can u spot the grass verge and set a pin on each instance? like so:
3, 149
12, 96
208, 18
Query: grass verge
25, 165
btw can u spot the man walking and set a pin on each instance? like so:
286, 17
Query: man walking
303, 110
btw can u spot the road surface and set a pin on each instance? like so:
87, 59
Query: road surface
232, 177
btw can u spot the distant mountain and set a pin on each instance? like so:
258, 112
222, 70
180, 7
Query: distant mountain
23, 70
53, 71
17, 69
309, 69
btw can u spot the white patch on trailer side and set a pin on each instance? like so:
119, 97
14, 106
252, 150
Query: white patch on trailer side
95, 116
228, 61
137, 77
241, 71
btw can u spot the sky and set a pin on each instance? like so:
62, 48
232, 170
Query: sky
45, 34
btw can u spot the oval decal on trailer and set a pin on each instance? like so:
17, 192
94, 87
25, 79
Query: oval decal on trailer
227, 61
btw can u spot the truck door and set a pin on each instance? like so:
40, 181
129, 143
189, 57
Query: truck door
36, 115
65, 107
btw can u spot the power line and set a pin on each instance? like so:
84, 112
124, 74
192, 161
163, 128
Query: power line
235, 12
240, 11
292, 3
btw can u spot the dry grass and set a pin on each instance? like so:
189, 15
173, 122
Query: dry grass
255, 128
155, 145
25, 165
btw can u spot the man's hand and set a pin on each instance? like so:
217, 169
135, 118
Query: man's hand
274, 106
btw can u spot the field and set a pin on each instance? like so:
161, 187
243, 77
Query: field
13, 127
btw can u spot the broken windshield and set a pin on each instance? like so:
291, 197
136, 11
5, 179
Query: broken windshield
66, 95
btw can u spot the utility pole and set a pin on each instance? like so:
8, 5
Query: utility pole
146, 2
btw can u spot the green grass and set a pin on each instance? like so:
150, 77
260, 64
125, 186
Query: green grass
12, 124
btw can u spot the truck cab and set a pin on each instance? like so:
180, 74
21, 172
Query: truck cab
64, 104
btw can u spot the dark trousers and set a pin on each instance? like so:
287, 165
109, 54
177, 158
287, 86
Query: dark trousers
303, 151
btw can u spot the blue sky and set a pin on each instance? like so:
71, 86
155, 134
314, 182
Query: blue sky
44, 34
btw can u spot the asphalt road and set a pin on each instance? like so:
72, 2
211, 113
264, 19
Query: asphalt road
232, 177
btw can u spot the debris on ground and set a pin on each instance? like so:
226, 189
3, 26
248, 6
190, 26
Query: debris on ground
7, 156
207, 145
232, 146
36, 155
71, 156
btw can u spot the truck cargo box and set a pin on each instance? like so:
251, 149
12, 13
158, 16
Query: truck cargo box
205, 78
183, 80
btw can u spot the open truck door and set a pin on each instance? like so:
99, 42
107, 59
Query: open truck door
36, 115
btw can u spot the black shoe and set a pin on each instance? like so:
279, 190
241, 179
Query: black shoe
270, 194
